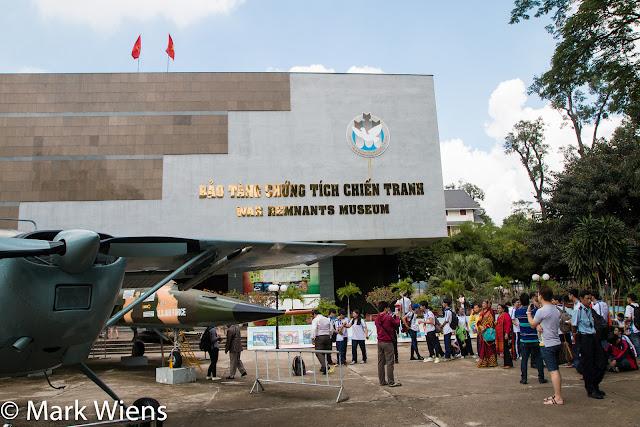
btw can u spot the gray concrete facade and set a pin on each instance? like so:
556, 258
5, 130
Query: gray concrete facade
306, 145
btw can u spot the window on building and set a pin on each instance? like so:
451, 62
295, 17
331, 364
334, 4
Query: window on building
463, 211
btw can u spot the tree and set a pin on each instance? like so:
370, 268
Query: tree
382, 293
596, 53
600, 252
500, 283
292, 293
347, 291
450, 288
528, 143
403, 286
469, 270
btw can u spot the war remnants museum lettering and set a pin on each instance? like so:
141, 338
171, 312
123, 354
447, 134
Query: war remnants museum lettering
289, 190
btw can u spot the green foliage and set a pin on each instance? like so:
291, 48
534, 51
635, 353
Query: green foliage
594, 69
284, 320
323, 305
403, 286
382, 293
428, 297
501, 284
348, 291
469, 271
451, 289
293, 293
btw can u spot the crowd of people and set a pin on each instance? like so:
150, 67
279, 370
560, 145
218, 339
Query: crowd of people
537, 328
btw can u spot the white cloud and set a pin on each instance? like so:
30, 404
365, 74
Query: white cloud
315, 68
365, 70
105, 16
502, 177
28, 69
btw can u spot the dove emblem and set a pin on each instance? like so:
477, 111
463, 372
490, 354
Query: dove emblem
367, 135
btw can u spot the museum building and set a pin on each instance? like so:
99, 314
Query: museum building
350, 158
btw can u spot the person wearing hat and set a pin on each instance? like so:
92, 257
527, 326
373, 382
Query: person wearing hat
321, 337
411, 321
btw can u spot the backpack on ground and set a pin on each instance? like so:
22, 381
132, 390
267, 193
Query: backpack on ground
565, 321
454, 321
205, 340
636, 317
600, 325
297, 366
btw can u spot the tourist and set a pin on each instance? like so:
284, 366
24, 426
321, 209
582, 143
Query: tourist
620, 331
446, 328
461, 300
503, 335
358, 336
212, 339
621, 357
592, 356
486, 347
473, 322
516, 327
429, 321
529, 343
599, 306
321, 338
549, 318
385, 324
621, 321
629, 314
233, 346
463, 334
342, 338
411, 321
334, 337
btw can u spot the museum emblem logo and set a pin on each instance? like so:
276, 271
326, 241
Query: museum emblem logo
367, 135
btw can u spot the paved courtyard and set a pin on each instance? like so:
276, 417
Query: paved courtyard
445, 394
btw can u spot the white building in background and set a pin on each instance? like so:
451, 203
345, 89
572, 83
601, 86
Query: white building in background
460, 208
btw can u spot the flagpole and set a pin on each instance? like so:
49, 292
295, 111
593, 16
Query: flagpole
167, 63
138, 64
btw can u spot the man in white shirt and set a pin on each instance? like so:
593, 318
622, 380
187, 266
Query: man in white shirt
411, 320
516, 325
405, 304
629, 315
342, 338
599, 306
321, 337
446, 329
429, 322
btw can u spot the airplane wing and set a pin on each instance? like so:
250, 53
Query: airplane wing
146, 256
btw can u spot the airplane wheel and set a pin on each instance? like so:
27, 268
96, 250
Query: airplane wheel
138, 348
176, 358
146, 402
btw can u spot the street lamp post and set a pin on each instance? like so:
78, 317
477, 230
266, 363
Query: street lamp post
276, 289
536, 278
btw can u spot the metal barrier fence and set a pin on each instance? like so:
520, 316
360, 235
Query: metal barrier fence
291, 378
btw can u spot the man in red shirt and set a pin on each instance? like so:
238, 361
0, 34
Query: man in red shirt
385, 325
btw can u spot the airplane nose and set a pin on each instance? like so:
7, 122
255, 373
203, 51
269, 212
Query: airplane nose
244, 313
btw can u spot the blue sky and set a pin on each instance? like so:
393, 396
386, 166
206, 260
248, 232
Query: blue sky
481, 65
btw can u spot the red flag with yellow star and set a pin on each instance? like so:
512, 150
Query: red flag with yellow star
170, 50
136, 48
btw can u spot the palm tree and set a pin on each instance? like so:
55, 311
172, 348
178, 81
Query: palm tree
347, 291
403, 286
470, 270
450, 288
500, 283
292, 293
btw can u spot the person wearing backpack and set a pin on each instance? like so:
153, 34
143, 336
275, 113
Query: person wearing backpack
632, 316
593, 360
411, 321
447, 328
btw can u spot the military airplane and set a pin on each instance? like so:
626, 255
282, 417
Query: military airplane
58, 288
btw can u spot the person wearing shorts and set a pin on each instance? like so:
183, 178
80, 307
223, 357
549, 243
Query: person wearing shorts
549, 317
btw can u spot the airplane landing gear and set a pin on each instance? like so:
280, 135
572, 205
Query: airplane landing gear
147, 402
176, 358
138, 349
